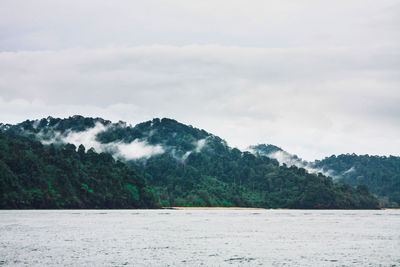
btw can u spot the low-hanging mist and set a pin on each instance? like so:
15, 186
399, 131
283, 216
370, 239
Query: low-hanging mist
139, 148
129, 151
288, 159
285, 158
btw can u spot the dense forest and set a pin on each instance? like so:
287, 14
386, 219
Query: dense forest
235, 179
381, 174
36, 176
191, 167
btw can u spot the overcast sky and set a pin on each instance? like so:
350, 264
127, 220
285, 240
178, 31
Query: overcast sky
313, 77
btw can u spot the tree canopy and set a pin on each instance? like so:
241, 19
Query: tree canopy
33, 175
195, 168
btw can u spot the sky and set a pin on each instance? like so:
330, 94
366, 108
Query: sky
314, 77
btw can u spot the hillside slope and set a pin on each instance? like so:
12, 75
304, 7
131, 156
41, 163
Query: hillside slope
36, 176
191, 167
380, 173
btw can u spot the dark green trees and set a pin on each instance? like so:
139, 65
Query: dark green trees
218, 175
380, 174
37, 176
196, 168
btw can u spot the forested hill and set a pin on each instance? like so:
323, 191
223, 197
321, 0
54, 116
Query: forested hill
36, 176
380, 173
191, 167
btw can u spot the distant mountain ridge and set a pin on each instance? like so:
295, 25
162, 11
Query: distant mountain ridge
380, 173
191, 167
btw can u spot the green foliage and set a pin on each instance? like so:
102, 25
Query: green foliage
133, 191
218, 175
36, 176
380, 174
187, 174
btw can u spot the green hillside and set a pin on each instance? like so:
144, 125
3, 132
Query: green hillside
36, 176
380, 174
191, 167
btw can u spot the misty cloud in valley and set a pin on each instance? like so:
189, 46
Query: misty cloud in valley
134, 150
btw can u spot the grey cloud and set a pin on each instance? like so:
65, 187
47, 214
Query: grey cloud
276, 103
45, 24
317, 77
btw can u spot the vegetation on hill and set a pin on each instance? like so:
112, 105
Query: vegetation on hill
36, 176
246, 180
217, 175
195, 168
380, 174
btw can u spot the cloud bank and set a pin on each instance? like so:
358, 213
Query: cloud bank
317, 78
245, 95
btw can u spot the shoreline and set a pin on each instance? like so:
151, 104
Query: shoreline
180, 208
250, 208
212, 208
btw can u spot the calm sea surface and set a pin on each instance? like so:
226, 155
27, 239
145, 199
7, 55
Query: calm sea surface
200, 237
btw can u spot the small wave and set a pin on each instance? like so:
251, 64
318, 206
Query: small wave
240, 259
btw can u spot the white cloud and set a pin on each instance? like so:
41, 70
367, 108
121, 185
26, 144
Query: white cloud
352, 169
137, 149
86, 138
246, 95
315, 77
46, 24
200, 144
285, 158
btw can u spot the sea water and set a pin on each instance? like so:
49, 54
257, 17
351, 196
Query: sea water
200, 237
